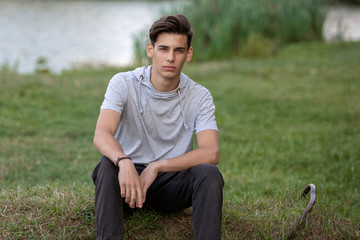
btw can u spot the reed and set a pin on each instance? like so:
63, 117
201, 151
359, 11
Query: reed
223, 28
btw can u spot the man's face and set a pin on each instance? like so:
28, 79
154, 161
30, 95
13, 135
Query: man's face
168, 56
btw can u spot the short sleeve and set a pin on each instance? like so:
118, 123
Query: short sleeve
116, 94
205, 119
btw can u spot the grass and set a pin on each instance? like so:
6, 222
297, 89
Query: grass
284, 122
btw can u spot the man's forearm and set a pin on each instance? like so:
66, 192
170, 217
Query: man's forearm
107, 145
198, 156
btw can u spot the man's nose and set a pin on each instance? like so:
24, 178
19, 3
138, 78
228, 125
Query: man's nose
170, 56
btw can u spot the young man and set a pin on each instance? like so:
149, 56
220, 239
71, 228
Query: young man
145, 134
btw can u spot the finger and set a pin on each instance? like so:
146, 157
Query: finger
140, 198
128, 195
144, 190
133, 199
122, 190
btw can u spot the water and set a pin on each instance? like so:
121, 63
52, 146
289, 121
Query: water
72, 33
342, 23
76, 33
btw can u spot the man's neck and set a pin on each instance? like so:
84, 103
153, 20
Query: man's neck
164, 85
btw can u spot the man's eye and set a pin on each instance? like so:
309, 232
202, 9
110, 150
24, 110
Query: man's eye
179, 51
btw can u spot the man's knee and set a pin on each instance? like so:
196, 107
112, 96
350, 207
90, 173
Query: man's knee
209, 174
105, 170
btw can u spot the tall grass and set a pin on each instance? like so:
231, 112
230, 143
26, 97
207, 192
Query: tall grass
224, 28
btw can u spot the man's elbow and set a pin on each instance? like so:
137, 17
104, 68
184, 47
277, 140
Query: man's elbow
96, 139
214, 156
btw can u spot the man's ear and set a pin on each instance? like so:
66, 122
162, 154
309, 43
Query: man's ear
149, 50
189, 54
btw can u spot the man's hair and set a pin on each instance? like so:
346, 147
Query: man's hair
171, 24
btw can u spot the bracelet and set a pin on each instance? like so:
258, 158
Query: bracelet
119, 159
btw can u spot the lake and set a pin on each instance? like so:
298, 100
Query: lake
79, 33
342, 23
72, 33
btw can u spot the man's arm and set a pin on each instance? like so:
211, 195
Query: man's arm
107, 145
207, 152
104, 140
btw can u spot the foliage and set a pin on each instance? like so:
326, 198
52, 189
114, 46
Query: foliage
42, 65
224, 27
257, 46
346, 1
9, 67
140, 41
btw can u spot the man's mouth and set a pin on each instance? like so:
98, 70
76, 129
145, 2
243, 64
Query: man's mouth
169, 68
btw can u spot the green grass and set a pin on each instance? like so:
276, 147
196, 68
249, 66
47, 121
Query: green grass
291, 119
284, 122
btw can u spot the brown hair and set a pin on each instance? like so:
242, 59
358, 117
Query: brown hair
171, 24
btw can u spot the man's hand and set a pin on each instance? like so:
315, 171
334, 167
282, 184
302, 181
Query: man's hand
130, 186
147, 177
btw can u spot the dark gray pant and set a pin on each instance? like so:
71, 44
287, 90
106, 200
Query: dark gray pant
199, 187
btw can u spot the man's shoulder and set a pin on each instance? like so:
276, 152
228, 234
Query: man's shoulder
126, 77
195, 87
